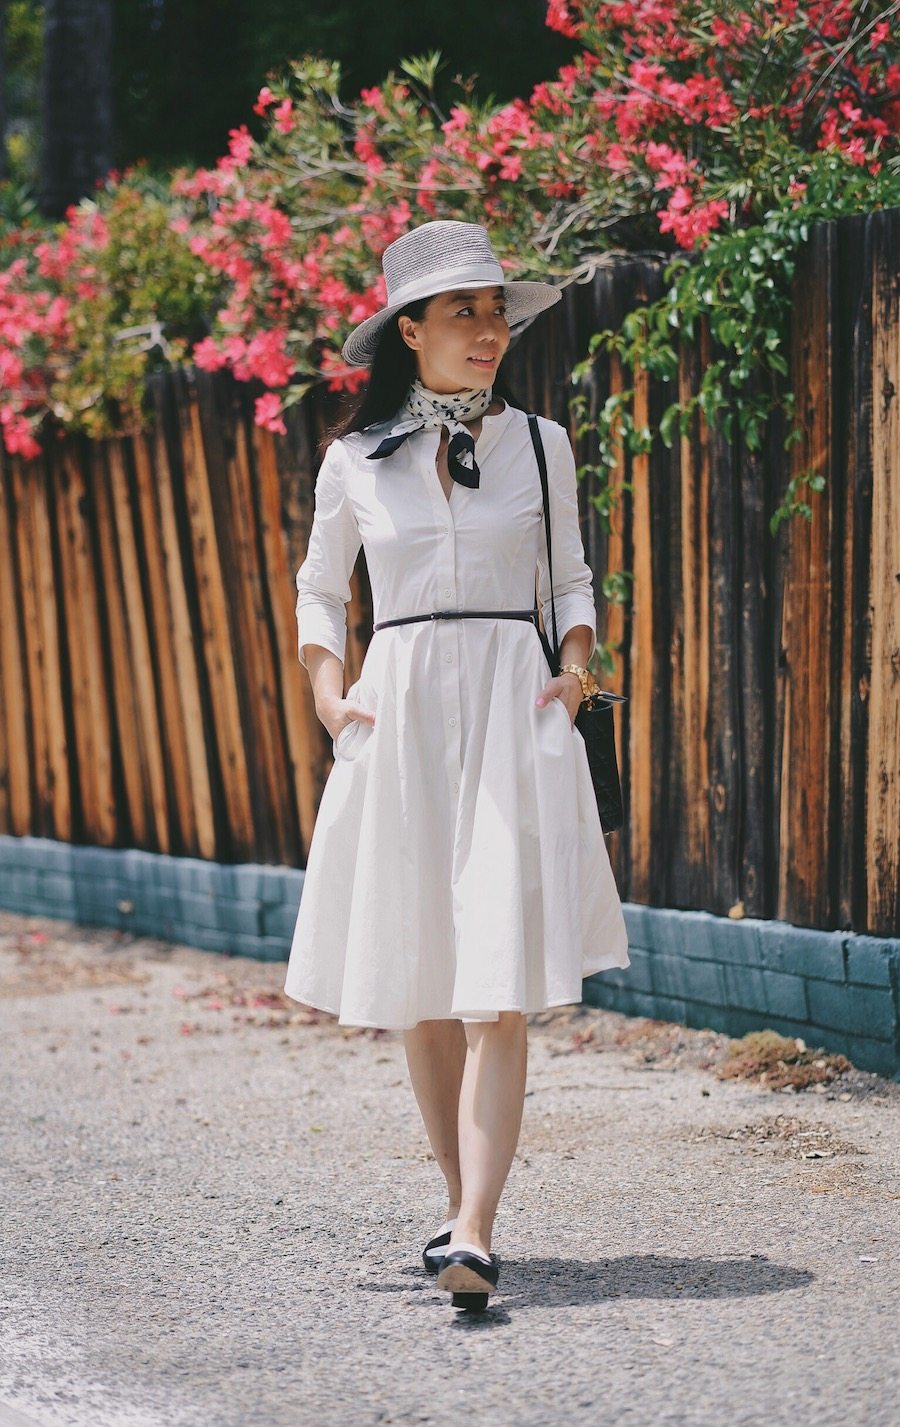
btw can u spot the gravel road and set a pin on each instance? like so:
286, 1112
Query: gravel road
214, 1202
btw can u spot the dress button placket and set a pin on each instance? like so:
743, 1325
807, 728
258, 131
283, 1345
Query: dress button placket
446, 631
448, 634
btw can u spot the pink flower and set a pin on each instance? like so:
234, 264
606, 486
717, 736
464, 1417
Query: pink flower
366, 151
17, 434
284, 117
458, 121
617, 159
375, 100
12, 367
514, 122
364, 144
263, 100
681, 199
264, 356
560, 17
427, 186
240, 144
267, 413
691, 224
208, 357
277, 225
400, 217
672, 166
341, 377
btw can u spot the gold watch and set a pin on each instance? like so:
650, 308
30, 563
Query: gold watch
589, 684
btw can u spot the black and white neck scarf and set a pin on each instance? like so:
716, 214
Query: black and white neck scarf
425, 410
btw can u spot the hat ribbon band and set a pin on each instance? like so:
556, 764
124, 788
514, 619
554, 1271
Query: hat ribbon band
434, 283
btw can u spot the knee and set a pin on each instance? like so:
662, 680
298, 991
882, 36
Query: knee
441, 1032
509, 1026
513, 1021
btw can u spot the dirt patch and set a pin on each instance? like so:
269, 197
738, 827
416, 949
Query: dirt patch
663, 1045
253, 1004
782, 1136
249, 1004
765, 1058
847, 1178
36, 964
819, 1161
39, 958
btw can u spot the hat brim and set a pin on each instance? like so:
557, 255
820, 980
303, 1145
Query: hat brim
524, 302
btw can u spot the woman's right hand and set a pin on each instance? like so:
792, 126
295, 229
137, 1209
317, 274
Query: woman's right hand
335, 714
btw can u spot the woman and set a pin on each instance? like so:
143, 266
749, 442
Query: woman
457, 878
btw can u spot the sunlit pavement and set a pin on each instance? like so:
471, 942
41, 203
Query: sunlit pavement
214, 1204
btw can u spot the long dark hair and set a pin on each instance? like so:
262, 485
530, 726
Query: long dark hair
390, 377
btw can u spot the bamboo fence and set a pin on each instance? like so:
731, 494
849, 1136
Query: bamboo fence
151, 695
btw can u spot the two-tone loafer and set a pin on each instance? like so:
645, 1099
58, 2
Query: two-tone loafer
434, 1251
469, 1276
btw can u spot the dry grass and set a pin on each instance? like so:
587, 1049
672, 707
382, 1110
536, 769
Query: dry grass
776, 1061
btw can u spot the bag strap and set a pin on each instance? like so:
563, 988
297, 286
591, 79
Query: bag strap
542, 468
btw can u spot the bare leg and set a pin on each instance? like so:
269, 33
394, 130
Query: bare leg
491, 1100
435, 1054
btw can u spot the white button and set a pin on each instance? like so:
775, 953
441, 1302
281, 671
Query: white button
449, 658
456, 787
447, 591
451, 719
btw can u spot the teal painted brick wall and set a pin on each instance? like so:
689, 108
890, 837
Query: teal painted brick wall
833, 989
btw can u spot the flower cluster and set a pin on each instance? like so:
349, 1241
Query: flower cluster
296, 222
90, 305
677, 123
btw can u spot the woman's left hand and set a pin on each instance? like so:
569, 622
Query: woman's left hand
566, 688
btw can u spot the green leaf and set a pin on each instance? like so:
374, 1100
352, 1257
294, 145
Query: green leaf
667, 422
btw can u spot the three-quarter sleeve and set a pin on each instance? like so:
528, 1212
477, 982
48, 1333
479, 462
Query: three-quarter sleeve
323, 580
573, 590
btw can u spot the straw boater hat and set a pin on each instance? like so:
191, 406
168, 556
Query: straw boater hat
438, 257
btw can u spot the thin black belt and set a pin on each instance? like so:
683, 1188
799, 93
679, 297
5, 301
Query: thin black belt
460, 614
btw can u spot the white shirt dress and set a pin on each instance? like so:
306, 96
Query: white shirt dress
457, 866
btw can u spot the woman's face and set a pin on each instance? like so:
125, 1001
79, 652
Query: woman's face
460, 341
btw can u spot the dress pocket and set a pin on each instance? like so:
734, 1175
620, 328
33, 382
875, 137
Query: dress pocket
354, 733
565, 713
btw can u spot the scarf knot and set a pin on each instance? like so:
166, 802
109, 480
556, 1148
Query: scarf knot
425, 410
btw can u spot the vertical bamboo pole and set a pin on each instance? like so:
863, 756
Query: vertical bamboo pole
90, 694
150, 799
641, 653
691, 749
15, 757
216, 633
883, 783
178, 655
805, 835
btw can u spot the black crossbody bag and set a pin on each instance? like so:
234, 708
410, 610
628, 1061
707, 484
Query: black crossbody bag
594, 719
